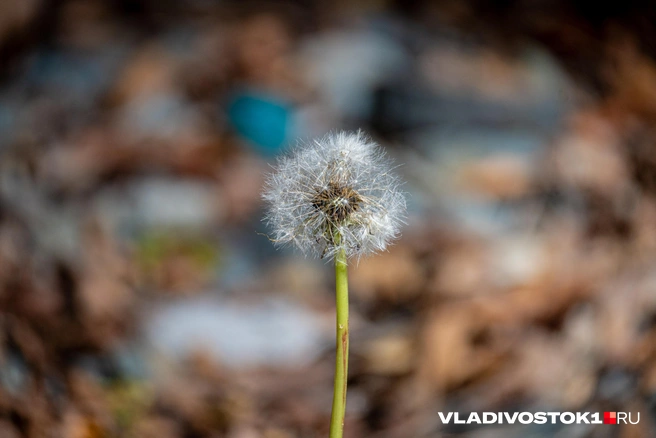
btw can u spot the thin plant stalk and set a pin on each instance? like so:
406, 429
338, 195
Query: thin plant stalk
342, 344
336, 198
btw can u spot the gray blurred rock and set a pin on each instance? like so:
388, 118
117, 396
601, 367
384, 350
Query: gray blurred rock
271, 332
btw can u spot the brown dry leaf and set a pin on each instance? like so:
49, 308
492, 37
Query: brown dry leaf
244, 431
157, 427
389, 355
483, 73
241, 182
301, 278
197, 404
623, 305
644, 229
15, 17
34, 408
589, 155
456, 346
75, 425
30, 344
463, 270
181, 397
7, 430
85, 24
633, 75
276, 433
105, 293
394, 276
551, 371
645, 428
150, 71
90, 397
649, 377
263, 52
78, 164
497, 177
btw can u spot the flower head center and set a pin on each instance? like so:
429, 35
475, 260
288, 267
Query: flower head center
337, 202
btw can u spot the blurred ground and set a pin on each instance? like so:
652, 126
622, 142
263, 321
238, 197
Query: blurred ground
139, 296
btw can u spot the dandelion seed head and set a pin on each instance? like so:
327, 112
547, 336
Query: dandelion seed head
337, 192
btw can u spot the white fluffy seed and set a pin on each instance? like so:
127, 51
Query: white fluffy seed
337, 192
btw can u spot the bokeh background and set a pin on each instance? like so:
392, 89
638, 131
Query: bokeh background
140, 296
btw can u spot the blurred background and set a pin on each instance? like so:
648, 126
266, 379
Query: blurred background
140, 296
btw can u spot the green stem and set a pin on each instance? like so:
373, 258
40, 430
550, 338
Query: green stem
341, 361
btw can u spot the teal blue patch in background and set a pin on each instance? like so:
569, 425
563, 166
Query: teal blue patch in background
262, 120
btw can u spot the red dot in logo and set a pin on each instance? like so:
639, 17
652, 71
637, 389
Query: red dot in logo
610, 417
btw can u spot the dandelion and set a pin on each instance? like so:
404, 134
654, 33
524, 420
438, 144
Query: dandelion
337, 198
337, 193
